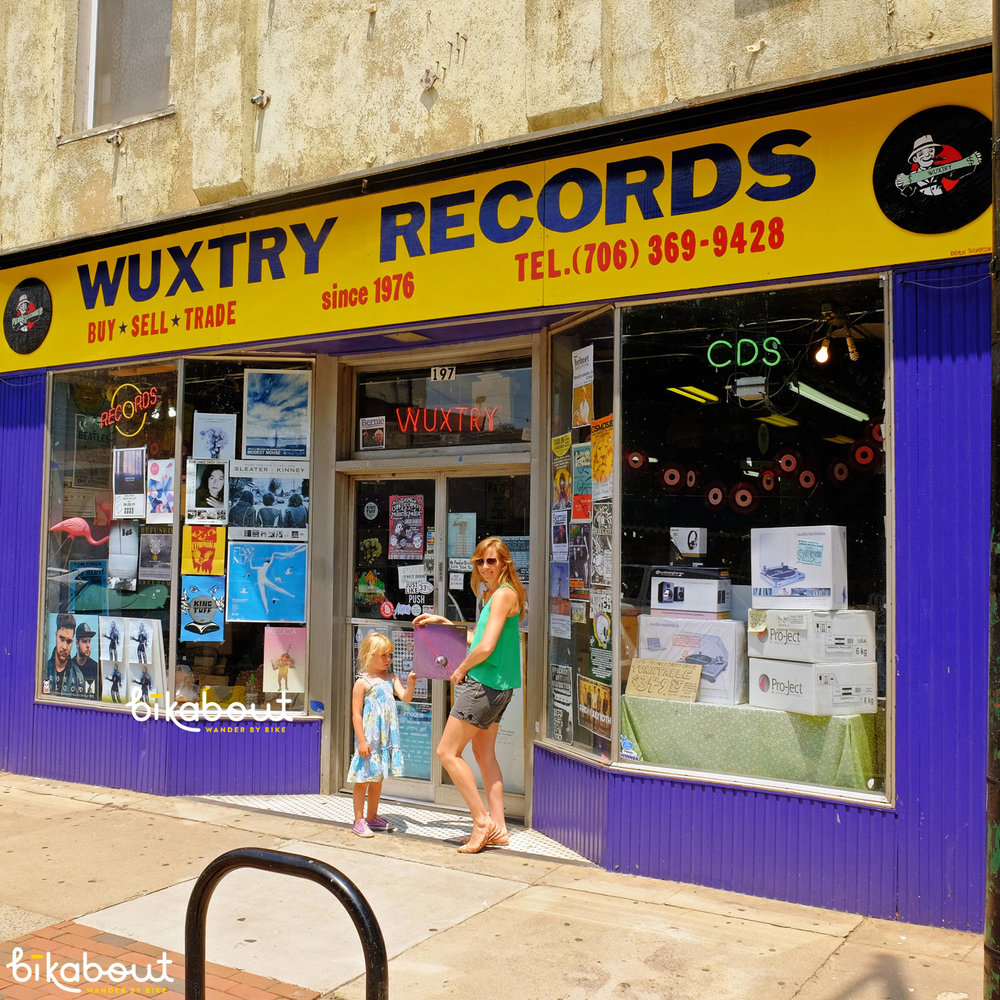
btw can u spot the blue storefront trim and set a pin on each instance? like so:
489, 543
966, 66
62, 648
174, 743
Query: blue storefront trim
923, 860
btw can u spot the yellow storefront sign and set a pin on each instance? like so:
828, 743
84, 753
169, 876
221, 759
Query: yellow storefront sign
880, 181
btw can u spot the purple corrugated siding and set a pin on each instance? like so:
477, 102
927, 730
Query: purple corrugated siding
747, 841
569, 803
112, 748
96, 748
22, 443
924, 861
87, 745
942, 387
258, 764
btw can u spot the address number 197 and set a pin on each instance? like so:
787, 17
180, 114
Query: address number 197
443, 373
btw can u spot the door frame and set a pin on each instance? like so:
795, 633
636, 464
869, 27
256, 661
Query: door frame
441, 792
340, 472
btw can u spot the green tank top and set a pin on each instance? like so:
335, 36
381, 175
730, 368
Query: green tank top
501, 670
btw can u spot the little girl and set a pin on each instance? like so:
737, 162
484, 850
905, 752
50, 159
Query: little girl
376, 729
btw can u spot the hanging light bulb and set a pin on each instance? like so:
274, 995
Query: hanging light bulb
823, 354
852, 349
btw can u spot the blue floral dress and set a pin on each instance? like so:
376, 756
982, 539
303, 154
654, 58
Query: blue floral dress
381, 728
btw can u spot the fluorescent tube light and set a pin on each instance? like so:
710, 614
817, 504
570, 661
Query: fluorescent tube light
685, 392
701, 393
778, 420
815, 396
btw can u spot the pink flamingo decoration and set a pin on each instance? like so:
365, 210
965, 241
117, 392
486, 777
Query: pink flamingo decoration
77, 527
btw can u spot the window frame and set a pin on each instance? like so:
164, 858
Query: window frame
884, 797
85, 81
172, 652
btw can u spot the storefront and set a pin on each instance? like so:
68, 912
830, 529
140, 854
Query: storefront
719, 378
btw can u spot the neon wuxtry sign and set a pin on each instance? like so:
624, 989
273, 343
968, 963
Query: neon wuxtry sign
454, 419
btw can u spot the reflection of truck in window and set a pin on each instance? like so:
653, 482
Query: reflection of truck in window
635, 587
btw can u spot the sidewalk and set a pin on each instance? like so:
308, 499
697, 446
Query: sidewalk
110, 872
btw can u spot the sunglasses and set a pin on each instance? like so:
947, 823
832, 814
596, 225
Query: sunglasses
489, 560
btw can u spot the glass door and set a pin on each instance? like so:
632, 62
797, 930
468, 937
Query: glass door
393, 581
413, 543
478, 507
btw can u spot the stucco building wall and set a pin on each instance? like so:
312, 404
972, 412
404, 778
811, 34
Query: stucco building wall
359, 84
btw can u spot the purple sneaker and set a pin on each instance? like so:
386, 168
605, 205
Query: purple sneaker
362, 829
379, 825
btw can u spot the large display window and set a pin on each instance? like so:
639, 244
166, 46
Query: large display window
750, 623
178, 528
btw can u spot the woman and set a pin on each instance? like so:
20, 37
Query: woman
484, 685
210, 492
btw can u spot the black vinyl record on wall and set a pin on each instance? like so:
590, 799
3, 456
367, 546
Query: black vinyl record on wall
715, 495
743, 497
672, 477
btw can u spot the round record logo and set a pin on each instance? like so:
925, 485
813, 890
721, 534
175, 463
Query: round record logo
932, 174
764, 683
27, 316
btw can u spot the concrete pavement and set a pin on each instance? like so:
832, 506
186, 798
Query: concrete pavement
115, 868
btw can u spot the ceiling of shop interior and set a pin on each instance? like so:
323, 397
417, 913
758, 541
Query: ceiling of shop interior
454, 331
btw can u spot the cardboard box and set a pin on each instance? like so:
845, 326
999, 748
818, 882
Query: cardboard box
718, 646
813, 688
799, 567
812, 636
711, 615
689, 588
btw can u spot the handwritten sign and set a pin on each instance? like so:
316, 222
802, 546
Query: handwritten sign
664, 679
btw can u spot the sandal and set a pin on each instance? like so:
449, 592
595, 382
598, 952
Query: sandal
479, 839
498, 838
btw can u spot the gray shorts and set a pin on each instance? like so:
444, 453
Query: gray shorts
478, 704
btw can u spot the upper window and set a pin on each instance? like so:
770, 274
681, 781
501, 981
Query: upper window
123, 60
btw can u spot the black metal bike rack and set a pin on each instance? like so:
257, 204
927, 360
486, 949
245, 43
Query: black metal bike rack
372, 942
